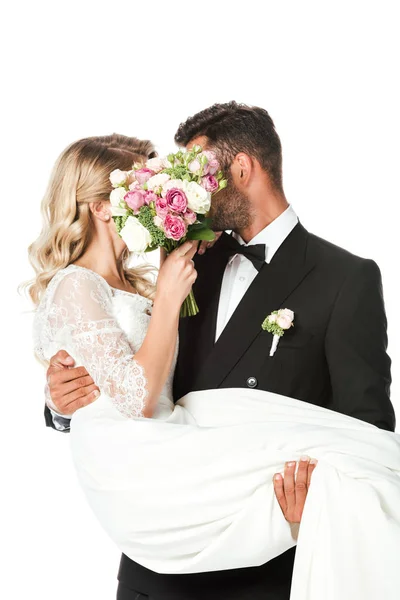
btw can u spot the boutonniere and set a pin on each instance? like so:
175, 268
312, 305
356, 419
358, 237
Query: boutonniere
277, 323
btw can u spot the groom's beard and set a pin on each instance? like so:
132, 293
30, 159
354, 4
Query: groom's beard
230, 209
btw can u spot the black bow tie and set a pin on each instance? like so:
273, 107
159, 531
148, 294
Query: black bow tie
254, 253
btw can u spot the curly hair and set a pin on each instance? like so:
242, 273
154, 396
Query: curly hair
80, 176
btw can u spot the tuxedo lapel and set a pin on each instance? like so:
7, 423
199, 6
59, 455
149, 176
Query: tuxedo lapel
207, 291
269, 290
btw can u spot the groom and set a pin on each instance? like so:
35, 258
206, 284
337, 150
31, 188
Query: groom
334, 356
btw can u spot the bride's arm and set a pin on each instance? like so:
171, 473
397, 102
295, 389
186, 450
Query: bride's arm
175, 280
132, 381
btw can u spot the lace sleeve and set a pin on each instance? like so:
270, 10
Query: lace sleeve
81, 312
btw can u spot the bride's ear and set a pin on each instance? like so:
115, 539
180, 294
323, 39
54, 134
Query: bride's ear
100, 210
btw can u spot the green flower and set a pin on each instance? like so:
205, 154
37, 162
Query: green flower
146, 218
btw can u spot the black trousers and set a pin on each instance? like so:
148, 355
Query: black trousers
125, 593
271, 581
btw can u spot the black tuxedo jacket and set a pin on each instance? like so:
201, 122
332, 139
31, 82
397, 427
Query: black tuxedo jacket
334, 356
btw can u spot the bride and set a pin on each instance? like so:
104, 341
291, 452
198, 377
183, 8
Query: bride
188, 488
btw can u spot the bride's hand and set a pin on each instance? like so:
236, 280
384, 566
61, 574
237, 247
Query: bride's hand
177, 274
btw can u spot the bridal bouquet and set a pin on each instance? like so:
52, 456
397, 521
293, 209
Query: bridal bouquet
165, 202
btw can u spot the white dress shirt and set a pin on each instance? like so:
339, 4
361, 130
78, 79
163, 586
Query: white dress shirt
240, 271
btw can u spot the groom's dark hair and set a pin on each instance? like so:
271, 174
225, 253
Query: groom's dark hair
232, 128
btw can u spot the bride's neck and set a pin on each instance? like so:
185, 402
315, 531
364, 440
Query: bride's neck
105, 257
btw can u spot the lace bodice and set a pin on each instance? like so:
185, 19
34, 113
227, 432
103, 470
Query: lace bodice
102, 328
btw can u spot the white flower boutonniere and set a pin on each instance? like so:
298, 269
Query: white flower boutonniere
277, 323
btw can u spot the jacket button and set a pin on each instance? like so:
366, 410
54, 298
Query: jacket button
252, 382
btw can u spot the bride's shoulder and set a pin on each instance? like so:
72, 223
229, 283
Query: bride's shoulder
74, 281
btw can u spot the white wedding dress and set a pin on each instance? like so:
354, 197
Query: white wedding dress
190, 490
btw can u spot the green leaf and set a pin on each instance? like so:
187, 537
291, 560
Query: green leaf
204, 224
198, 226
201, 234
203, 221
151, 248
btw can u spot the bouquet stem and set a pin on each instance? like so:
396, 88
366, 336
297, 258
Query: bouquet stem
189, 307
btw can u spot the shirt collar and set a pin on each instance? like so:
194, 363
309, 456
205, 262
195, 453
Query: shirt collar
274, 234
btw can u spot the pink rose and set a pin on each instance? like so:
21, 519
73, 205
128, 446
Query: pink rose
143, 175
209, 183
161, 206
194, 166
213, 166
176, 200
134, 185
177, 184
150, 197
135, 200
157, 164
209, 154
190, 217
174, 227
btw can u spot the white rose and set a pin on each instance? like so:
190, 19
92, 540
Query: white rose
158, 222
118, 177
135, 236
199, 200
116, 211
157, 181
285, 318
157, 164
287, 313
130, 177
272, 318
117, 195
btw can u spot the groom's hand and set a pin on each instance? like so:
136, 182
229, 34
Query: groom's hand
205, 245
69, 387
291, 490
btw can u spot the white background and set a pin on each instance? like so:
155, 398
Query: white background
328, 74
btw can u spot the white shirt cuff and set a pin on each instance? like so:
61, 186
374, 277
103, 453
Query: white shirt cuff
61, 422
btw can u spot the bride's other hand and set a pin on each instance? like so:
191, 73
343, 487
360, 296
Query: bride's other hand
206, 245
177, 275
69, 387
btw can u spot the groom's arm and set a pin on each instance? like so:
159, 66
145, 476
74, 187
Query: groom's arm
356, 344
68, 389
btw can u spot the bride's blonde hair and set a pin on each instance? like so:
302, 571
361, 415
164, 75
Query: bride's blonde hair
80, 176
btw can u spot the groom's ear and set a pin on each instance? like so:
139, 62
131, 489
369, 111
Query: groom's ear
242, 169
